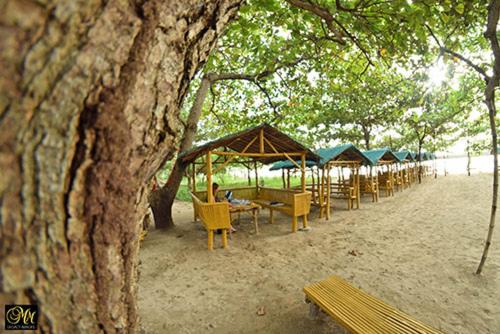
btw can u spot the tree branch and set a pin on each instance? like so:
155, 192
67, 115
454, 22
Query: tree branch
269, 100
212, 111
329, 19
443, 49
322, 13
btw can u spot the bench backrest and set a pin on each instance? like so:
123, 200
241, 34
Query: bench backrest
299, 201
277, 195
249, 193
213, 215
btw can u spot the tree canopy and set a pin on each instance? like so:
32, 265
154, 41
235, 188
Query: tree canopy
338, 69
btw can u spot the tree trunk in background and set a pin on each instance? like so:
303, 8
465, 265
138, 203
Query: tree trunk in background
161, 201
468, 157
89, 102
489, 94
366, 137
420, 143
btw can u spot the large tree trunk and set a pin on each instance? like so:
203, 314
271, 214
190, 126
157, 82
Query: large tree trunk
161, 201
89, 99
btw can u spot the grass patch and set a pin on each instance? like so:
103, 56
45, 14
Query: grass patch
225, 181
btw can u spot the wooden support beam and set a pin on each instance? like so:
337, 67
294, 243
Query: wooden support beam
261, 141
271, 145
283, 177
357, 188
193, 171
313, 185
258, 155
293, 161
210, 195
256, 175
321, 192
303, 169
234, 156
288, 179
328, 191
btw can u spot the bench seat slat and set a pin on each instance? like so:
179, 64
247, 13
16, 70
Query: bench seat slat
376, 305
361, 313
387, 319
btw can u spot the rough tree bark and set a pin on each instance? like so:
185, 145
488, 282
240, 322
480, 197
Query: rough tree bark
89, 100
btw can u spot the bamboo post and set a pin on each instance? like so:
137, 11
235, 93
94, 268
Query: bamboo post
313, 185
288, 178
358, 195
328, 190
256, 175
210, 195
391, 178
224, 238
210, 239
321, 192
303, 174
283, 177
294, 224
401, 176
194, 177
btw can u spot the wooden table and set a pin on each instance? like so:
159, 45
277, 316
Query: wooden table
252, 209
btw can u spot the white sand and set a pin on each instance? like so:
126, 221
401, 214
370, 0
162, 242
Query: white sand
417, 251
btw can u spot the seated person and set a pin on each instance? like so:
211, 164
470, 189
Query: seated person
215, 189
232, 200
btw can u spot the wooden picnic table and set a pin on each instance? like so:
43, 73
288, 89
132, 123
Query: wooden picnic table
252, 209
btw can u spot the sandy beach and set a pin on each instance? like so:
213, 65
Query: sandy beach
416, 251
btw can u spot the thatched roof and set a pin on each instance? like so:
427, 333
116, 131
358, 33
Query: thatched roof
238, 141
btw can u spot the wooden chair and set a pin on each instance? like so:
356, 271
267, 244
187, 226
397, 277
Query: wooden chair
385, 183
214, 216
295, 204
369, 185
359, 312
344, 190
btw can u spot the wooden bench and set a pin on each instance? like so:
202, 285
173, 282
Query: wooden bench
343, 190
407, 177
359, 312
385, 183
369, 185
214, 216
295, 204
398, 181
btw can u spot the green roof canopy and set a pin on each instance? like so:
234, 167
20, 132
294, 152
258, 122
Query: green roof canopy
404, 155
346, 152
385, 154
